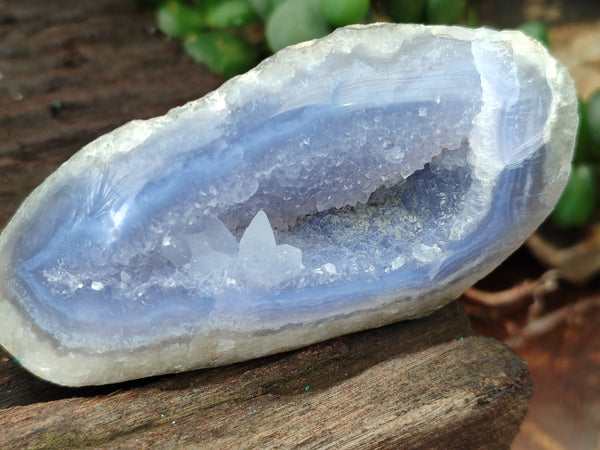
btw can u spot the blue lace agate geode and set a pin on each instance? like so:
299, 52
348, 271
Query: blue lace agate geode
344, 183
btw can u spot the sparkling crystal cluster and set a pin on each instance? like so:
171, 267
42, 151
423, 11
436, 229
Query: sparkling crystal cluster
344, 183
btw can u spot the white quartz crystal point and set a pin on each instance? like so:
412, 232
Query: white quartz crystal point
345, 183
265, 262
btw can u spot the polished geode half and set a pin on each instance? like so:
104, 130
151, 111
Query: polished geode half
344, 183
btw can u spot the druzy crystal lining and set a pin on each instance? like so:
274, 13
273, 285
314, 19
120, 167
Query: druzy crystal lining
339, 185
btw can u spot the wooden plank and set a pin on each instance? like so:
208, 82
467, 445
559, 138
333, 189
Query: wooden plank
424, 383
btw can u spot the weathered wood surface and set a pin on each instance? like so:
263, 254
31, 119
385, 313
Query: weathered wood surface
425, 383
71, 71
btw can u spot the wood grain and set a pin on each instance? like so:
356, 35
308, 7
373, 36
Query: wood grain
425, 383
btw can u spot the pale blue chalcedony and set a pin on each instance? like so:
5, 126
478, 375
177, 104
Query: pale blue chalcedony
344, 183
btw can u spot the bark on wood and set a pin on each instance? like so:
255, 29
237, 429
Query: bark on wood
71, 71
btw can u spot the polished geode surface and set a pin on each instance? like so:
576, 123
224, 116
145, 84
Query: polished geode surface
344, 183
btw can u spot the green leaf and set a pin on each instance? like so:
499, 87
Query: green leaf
227, 13
340, 13
447, 12
295, 21
264, 8
177, 20
577, 203
584, 144
227, 54
472, 18
406, 11
536, 30
592, 117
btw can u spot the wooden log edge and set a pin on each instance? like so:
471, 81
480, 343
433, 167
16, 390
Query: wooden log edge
426, 383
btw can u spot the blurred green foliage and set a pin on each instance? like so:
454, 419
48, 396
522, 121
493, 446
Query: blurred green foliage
579, 203
444, 11
225, 53
340, 13
294, 21
232, 36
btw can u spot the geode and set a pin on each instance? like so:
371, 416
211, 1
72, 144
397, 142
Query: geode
344, 183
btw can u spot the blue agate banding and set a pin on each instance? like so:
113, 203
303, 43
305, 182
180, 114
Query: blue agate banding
344, 183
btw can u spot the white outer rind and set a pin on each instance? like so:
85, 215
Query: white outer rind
41, 356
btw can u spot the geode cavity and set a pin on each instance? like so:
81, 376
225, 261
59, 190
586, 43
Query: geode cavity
344, 183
